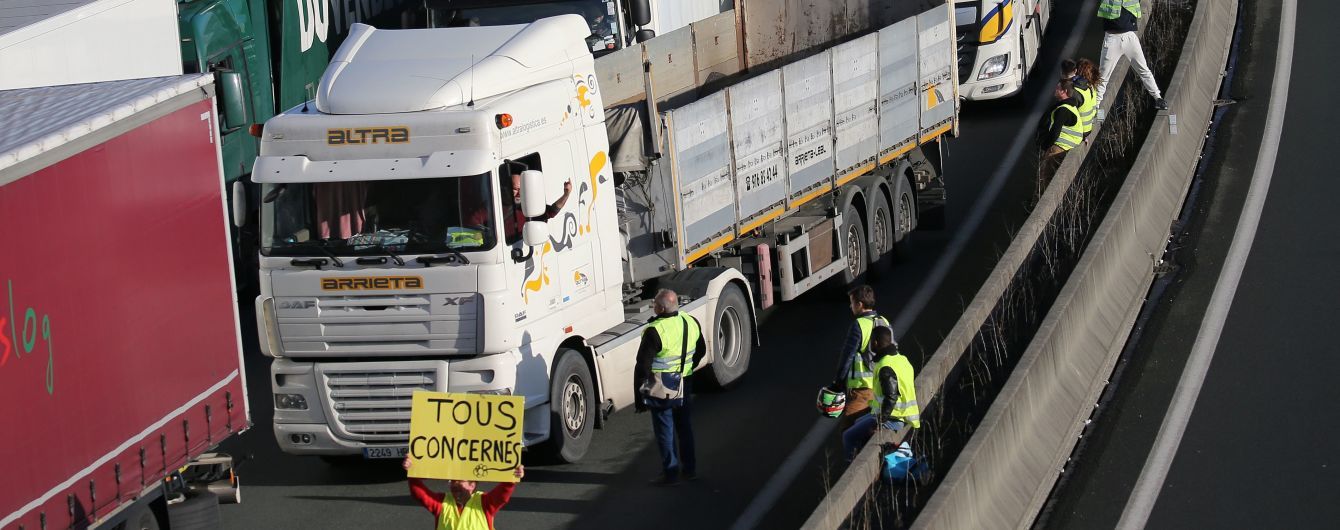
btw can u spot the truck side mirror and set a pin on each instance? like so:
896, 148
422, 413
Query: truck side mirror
232, 101
644, 35
639, 12
532, 193
239, 199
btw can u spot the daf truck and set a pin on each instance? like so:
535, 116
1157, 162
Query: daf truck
999, 42
415, 235
120, 357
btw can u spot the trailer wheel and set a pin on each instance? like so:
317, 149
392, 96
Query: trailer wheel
855, 246
881, 234
197, 512
142, 519
903, 217
733, 342
572, 408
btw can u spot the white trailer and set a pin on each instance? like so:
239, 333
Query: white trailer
62, 42
392, 259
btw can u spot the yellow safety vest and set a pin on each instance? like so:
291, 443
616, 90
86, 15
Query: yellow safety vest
1111, 9
672, 332
860, 375
1088, 109
1070, 136
906, 408
471, 518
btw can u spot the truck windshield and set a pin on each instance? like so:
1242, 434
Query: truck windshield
416, 216
599, 15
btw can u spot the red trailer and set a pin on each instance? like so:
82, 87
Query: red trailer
120, 358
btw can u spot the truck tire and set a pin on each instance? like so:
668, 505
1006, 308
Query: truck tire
733, 344
854, 245
881, 235
142, 519
197, 512
904, 220
572, 408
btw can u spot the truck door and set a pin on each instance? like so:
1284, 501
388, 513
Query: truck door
1030, 31
559, 272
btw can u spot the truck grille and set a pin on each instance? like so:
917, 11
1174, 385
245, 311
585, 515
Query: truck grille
364, 325
373, 404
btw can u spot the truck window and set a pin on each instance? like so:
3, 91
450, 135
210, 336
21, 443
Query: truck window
509, 181
416, 216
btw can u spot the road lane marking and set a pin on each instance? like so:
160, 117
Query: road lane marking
1155, 471
786, 474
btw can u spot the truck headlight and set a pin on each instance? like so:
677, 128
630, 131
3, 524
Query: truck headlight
494, 392
290, 402
270, 323
994, 66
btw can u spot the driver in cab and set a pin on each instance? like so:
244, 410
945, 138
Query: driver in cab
513, 218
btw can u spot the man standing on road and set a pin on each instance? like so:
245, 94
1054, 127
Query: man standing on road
895, 400
671, 346
470, 509
853, 373
1120, 20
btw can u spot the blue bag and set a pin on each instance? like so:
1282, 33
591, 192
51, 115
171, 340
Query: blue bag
900, 463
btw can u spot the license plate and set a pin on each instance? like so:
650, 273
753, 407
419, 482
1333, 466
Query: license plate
385, 452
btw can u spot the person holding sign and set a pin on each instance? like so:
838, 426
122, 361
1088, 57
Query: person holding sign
471, 510
671, 346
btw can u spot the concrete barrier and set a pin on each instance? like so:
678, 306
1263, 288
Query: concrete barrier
974, 495
1004, 475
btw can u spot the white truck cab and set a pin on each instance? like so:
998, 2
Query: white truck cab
393, 258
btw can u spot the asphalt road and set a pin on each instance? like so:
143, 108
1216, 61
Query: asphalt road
743, 434
1259, 447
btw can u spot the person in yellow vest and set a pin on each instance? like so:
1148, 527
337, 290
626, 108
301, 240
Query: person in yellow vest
1121, 18
671, 346
895, 395
853, 374
1084, 94
469, 509
1062, 132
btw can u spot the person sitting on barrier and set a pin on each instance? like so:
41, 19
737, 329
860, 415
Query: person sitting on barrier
470, 509
854, 376
1084, 93
895, 402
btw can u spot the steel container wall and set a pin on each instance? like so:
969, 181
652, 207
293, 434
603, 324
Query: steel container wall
855, 116
757, 137
701, 147
809, 126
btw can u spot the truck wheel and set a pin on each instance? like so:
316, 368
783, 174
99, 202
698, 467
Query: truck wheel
733, 340
142, 519
855, 246
197, 512
903, 218
572, 408
881, 235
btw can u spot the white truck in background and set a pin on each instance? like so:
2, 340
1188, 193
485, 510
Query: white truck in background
614, 24
392, 259
999, 42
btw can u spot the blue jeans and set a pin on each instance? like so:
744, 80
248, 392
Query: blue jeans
670, 422
855, 437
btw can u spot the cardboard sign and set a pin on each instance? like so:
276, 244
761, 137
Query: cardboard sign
465, 436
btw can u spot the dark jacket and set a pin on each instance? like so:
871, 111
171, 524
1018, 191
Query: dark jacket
1124, 22
651, 345
888, 382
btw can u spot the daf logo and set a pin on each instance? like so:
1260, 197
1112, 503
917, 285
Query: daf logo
462, 300
299, 304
